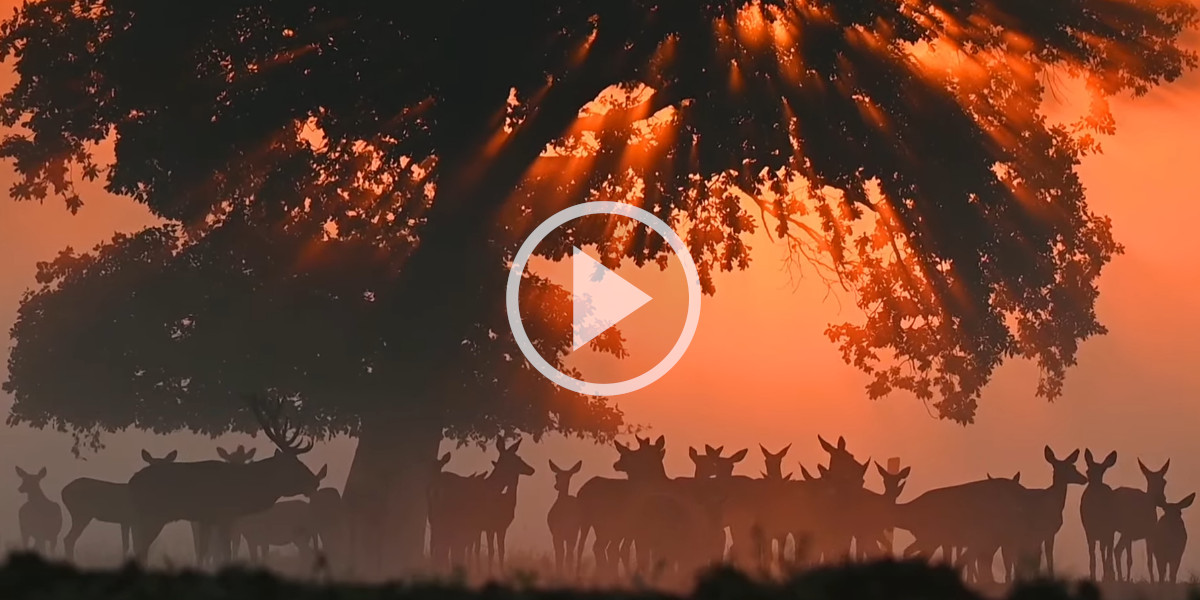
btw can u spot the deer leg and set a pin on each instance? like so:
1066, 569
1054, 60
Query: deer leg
78, 524
1048, 546
500, 536
1150, 561
145, 531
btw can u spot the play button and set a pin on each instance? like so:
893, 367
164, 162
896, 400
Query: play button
599, 298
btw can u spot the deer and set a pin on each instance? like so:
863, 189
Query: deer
329, 522
874, 512
237, 456
961, 516
679, 522
288, 522
563, 517
1167, 542
88, 500
1043, 513
215, 493
40, 518
1134, 515
1098, 528
499, 505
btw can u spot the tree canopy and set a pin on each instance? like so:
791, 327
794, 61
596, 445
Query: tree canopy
346, 181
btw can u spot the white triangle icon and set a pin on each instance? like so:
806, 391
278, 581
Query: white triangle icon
600, 298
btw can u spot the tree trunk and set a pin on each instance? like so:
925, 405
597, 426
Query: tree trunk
384, 497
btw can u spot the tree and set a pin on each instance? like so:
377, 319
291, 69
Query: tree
438, 134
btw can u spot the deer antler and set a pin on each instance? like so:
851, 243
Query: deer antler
276, 426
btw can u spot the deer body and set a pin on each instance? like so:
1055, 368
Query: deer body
40, 518
1169, 539
215, 493
1133, 514
88, 500
1094, 510
563, 518
289, 522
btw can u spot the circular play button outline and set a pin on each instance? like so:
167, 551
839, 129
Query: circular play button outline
512, 299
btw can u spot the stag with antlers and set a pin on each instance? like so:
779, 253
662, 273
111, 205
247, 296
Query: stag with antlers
215, 493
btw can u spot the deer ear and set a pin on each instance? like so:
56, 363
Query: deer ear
516, 446
444, 459
904, 472
1072, 457
1111, 459
323, 472
278, 452
764, 450
841, 443
1187, 501
250, 453
621, 448
1087, 457
553, 467
739, 455
1017, 477
785, 450
41, 473
500, 443
146, 456
660, 443
693, 454
1142, 466
787, 477
220, 452
21, 473
989, 475
709, 450
170, 457
822, 470
576, 468
826, 446
1048, 453
1166, 465
883, 472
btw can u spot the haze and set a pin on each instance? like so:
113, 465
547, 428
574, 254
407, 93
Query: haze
760, 369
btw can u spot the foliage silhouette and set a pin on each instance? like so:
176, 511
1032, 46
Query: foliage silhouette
345, 181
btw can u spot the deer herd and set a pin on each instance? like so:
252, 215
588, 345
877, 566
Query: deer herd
643, 519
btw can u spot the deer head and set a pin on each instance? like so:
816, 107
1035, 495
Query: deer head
843, 469
1174, 510
168, 458
1095, 470
31, 485
893, 483
239, 456
508, 467
646, 462
712, 464
1156, 481
288, 473
774, 463
562, 477
440, 464
1064, 471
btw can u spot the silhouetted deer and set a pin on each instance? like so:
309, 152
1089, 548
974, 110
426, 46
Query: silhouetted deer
288, 522
1170, 538
499, 506
876, 512
563, 517
330, 523
88, 500
773, 463
607, 505
214, 493
237, 456
40, 517
1134, 516
1098, 526
1044, 512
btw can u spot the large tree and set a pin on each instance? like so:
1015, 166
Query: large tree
406, 148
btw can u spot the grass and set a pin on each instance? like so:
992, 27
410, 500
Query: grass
28, 577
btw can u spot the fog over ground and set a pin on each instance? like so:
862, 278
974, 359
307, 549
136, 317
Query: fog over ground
760, 369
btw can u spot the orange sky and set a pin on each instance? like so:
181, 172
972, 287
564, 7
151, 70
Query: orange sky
761, 370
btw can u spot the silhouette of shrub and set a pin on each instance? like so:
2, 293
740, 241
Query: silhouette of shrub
29, 577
